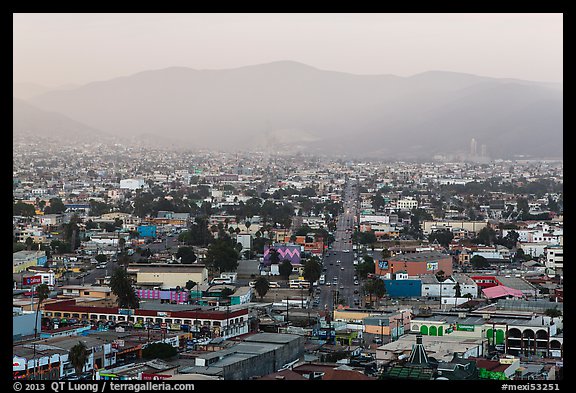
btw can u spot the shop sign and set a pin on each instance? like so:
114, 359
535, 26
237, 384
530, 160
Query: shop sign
32, 280
465, 328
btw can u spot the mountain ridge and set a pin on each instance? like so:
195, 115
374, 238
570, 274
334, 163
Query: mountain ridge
232, 108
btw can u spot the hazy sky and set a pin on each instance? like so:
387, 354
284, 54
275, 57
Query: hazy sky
59, 49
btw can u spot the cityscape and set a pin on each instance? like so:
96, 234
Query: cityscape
270, 243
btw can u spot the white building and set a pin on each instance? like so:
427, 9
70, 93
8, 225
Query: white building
555, 260
407, 203
431, 287
245, 240
132, 184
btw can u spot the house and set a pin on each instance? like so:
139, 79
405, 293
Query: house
21, 260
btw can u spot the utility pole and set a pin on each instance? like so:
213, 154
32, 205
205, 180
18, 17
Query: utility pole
287, 304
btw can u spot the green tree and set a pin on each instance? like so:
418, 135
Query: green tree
222, 256
159, 351
486, 236
386, 254
312, 271
101, 258
56, 206
78, 356
225, 293
274, 256
23, 209
443, 237
374, 286
29, 243
186, 254
285, 269
553, 313
121, 286
366, 267
479, 262
42, 291
18, 247
261, 286
441, 275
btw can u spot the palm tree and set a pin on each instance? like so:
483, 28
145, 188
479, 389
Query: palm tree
121, 286
42, 291
458, 290
78, 355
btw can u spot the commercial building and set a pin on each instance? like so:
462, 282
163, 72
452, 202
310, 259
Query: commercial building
147, 230
257, 355
520, 333
401, 285
430, 262
223, 322
167, 276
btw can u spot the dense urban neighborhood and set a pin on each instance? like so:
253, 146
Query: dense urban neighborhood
140, 263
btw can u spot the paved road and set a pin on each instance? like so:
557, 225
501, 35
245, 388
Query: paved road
338, 261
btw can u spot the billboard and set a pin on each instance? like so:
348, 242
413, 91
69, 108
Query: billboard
291, 253
32, 280
431, 266
383, 265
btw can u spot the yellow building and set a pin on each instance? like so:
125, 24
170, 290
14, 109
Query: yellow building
22, 260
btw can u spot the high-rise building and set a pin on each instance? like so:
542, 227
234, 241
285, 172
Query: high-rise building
483, 151
473, 147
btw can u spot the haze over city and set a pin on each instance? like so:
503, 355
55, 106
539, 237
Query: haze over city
223, 197
344, 84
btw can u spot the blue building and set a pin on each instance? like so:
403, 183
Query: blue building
402, 286
147, 231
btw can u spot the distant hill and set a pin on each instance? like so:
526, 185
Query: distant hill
288, 106
27, 120
26, 91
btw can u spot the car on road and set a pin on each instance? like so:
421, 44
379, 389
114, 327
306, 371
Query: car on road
377, 340
356, 282
355, 291
342, 268
341, 286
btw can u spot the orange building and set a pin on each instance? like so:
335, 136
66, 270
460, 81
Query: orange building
312, 244
415, 264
